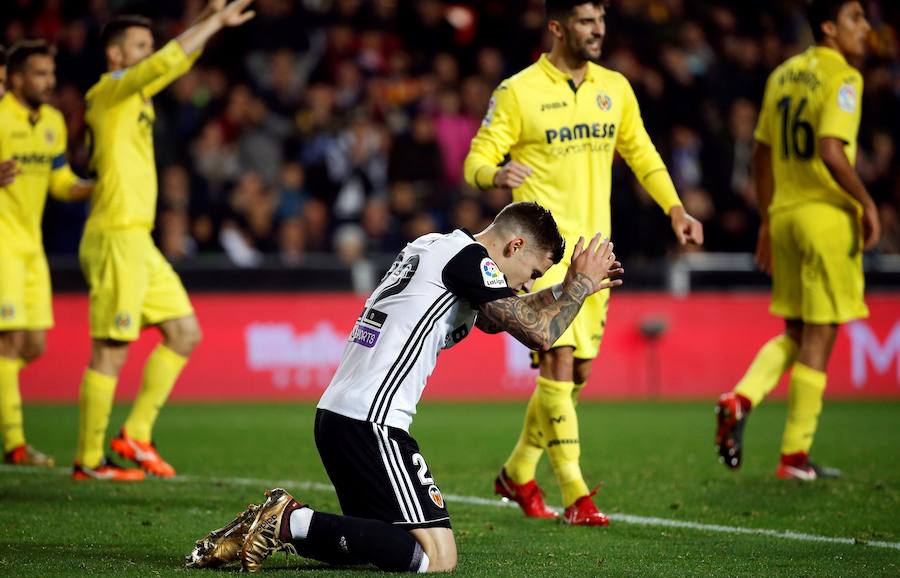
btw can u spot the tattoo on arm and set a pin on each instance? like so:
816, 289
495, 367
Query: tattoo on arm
537, 320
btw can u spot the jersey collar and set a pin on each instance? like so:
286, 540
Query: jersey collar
19, 109
827, 52
557, 75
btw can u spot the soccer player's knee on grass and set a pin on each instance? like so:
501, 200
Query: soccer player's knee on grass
440, 547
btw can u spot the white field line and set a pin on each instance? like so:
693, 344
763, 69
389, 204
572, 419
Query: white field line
295, 485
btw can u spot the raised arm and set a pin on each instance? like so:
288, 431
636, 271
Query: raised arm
157, 71
537, 320
234, 14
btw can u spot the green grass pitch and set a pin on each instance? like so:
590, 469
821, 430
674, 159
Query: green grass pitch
654, 460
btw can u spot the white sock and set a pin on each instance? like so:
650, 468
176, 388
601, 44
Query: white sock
300, 520
423, 565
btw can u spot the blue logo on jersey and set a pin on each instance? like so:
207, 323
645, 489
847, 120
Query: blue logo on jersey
581, 131
364, 336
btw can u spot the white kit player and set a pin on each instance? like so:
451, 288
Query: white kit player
439, 287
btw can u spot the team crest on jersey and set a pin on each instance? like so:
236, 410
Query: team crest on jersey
435, 494
50, 136
7, 311
847, 97
604, 101
491, 275
122, 321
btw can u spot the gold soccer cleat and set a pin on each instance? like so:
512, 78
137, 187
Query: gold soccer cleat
222, 546
264, 536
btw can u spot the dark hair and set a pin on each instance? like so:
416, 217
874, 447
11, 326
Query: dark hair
559, 9
821, 11
21, 51
535, 221
116, 27
2, 56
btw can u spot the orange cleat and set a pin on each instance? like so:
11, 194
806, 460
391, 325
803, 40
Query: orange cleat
528, 495
584, 513
143, 454
107, 471
25, 455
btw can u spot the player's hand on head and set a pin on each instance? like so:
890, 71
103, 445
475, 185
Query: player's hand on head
871, 227
763, 255
236, 13
512, 175
687, 229
8, 171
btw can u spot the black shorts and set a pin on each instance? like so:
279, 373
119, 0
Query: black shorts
378, 472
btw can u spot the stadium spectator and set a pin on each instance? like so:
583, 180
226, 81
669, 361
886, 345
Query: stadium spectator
314, 66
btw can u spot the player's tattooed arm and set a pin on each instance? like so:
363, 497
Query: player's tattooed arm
482, 322
537, 320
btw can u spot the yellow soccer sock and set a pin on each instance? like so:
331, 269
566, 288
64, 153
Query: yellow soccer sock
560, 423
95, 404
10, 404
804, 407
522, 463
772, 360
162, 370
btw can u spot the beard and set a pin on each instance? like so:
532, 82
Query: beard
34, 99
583, 53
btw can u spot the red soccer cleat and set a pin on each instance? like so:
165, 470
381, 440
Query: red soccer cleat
143, 454
107, 471
798, 467
731, 416
528, 495
25, 455
584, 513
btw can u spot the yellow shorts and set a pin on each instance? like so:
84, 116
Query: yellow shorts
132, 284
817, 273
586, 330
25, 296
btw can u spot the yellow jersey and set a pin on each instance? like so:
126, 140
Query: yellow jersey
120, 119
812, 95
39, 149
568, 136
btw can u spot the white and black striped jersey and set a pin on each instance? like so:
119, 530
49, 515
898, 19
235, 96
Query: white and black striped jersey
426, 302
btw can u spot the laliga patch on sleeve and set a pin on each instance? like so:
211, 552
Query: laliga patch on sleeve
491, 274
847, 97
489, 115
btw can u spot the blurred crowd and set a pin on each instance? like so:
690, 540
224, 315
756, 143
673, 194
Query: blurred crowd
341, 126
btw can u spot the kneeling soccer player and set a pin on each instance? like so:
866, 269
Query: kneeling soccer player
439, 287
